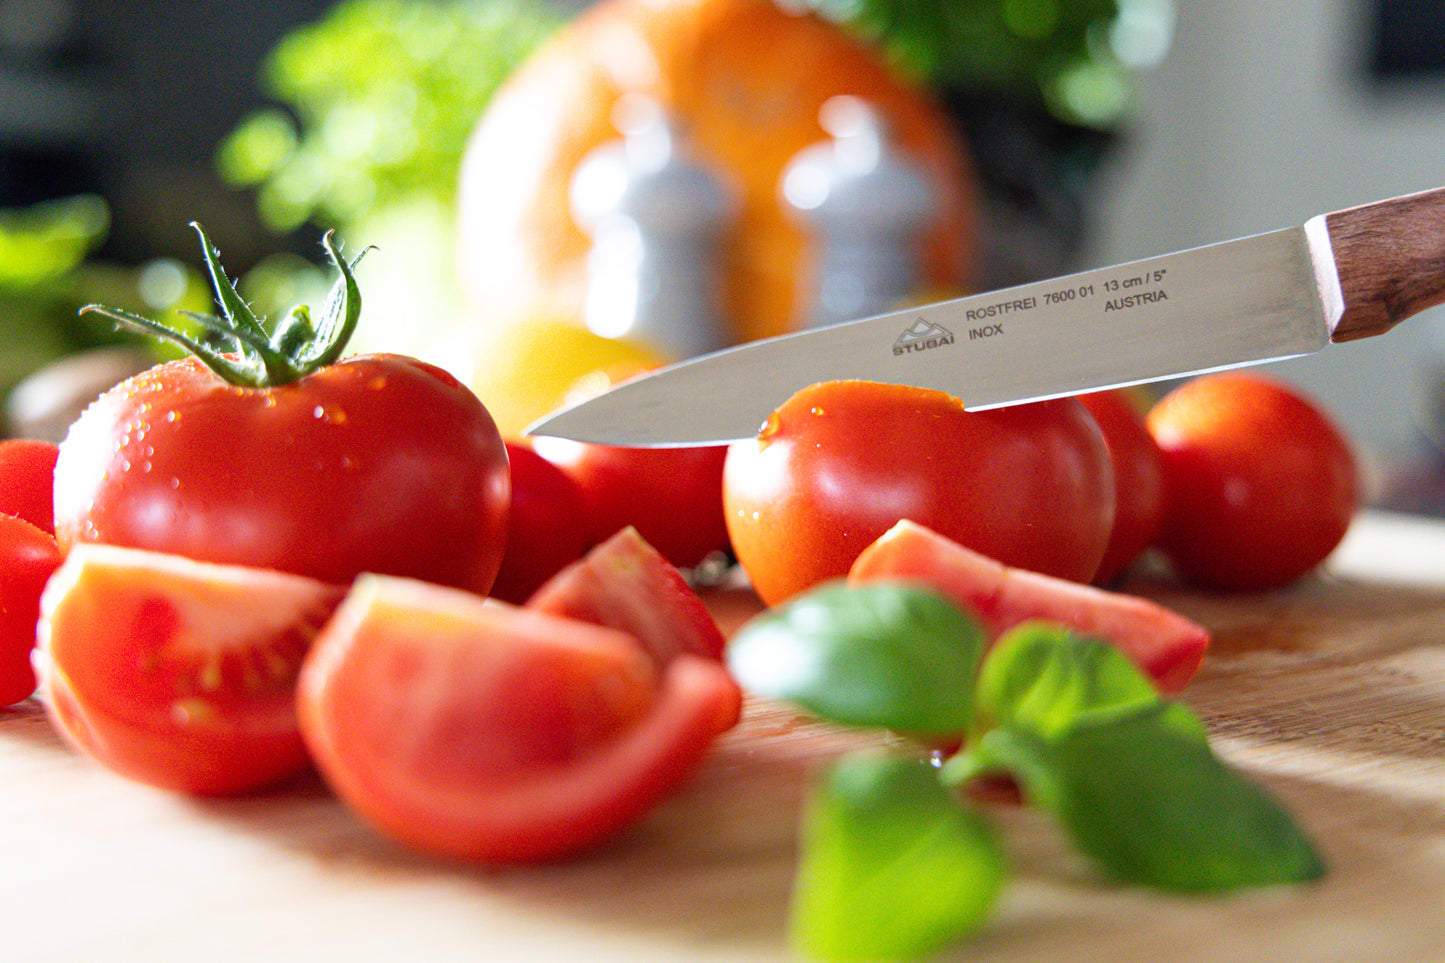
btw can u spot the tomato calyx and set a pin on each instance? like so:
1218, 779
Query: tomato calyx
246, 353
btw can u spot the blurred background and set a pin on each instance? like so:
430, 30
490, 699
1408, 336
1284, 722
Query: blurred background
1007, 140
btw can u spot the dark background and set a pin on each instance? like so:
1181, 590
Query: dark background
129, 100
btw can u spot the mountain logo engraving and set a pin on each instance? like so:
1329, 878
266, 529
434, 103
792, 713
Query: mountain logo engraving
922, 335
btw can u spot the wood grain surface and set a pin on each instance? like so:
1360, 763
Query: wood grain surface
1331, 694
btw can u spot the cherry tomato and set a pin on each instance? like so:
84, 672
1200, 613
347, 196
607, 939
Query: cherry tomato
1138, 480
28, 556
177, 673
377, 463
1261, 484
841, 462
27, 480
672, 496
478, 730
547, 527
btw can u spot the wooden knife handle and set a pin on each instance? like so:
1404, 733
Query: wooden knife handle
1391, 261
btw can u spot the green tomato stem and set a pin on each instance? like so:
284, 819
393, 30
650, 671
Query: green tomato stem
250, 357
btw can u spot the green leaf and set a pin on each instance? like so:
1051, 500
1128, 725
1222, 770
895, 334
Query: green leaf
892, 866
887, 655
1151, 803
1047, 678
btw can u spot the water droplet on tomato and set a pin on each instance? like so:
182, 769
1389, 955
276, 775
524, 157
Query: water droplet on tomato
770, 427
331, 414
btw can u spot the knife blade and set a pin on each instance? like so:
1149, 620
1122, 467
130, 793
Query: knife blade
1340, 276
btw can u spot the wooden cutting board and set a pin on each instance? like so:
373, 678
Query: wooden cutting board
1331, 694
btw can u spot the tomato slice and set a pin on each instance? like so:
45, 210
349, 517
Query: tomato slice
177, 673
627, 584
487, 732
1165, 645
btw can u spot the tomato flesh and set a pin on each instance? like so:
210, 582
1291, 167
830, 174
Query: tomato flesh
625, 583
481, 731
1164, 644
177, 673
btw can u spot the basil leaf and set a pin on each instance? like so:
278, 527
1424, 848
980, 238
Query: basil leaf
885, 654
1047, 678
892, 865
1152, 804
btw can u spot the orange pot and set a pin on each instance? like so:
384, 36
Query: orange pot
745, 79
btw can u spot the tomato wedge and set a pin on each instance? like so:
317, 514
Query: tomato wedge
627, 584
1165, 645
177, 673
482, 731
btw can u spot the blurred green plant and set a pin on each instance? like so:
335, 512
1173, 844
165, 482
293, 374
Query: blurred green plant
45, 277
1074, 58
374, 104
377, 101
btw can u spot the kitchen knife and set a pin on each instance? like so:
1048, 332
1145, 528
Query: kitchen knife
1351, 274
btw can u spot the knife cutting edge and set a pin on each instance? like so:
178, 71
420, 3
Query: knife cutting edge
1350, 274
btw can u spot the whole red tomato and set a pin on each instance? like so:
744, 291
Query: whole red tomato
28, 557
1261, 484
278, 455
378, 463
547, 527
672, 496
841, 462
27, 478
1138, 480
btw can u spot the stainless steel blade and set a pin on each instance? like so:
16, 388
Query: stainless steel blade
1248, 301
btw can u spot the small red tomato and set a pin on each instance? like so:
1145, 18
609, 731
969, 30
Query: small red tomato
1138, 480
28, 556
478, 730
672, 496
27, 480
176, 673
1261, 484
547, 526
841, 462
